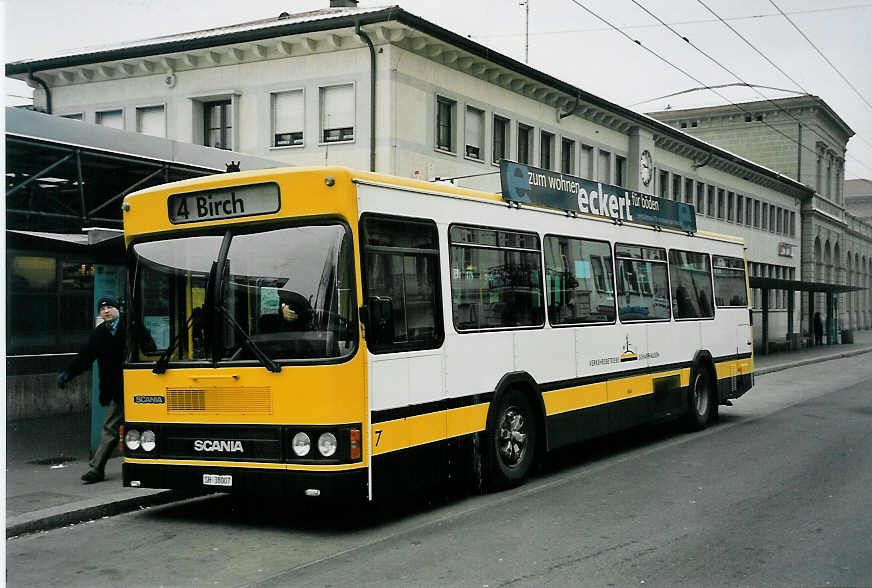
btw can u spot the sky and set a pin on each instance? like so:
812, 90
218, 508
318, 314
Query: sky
636, 53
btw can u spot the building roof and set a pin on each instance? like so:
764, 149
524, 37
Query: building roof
858, 187
343, 18
773, 104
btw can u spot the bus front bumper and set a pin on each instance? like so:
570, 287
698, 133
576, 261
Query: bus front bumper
327, 485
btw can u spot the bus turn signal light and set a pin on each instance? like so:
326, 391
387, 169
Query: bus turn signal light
354, 437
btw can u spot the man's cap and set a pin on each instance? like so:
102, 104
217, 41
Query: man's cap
107, 301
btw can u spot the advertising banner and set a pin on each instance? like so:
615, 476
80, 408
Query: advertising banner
533, 185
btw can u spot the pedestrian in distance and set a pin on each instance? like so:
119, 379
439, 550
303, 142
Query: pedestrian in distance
818, 329
105, 345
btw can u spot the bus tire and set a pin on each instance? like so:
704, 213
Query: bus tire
511, 440
700, 400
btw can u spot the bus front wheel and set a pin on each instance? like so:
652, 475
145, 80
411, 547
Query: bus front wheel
512, 439
700, 400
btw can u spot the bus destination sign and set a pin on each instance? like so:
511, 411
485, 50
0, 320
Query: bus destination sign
222, 203
533, 185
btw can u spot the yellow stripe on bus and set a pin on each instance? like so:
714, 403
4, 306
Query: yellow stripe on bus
428, 428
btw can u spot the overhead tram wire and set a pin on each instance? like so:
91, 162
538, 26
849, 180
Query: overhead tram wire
751, 45
761, 54
683, 22
689, 75
835, 69
731, 85
738, 77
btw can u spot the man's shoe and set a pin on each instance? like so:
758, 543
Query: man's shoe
92, 476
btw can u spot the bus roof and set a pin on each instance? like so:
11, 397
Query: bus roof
154, 201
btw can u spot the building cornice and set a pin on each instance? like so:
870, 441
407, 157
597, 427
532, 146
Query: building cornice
335, 31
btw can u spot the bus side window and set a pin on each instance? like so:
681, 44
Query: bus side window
401, 265
691, 278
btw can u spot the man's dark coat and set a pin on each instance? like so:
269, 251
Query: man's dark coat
108, 350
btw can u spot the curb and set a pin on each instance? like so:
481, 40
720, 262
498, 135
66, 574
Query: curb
809, 360
53, 518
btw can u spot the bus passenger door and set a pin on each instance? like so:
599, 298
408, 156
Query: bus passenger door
404, 336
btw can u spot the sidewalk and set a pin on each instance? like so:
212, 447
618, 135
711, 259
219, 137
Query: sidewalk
45, 458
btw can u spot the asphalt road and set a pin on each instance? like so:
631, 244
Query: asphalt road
778, 493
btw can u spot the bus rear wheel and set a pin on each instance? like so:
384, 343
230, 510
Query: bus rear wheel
511, 441
700, 401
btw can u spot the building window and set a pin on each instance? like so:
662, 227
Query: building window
730, 206
114, 119
772, 219
501, 138
525, 137
720, 203
710, 205
474, 132
792, 224
779, 226
620, 170
676, 187
756, 214
217, 124
73, 116
49, 303
337, 113
586, 169
604, 167
151, 120
546, 150
288, 114
663, 184
567, 156
700, 198
764, 221
445, 123
688, 191
740, 210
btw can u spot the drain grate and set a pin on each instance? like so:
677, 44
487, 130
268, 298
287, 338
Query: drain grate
52, 461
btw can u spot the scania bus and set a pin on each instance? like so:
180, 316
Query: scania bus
331, 333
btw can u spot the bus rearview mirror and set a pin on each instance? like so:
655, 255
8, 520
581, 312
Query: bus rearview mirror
379, 319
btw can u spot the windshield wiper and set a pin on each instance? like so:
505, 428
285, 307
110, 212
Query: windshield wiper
160, 366
265, 359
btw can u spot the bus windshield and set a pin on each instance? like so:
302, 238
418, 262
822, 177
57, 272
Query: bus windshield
285, 293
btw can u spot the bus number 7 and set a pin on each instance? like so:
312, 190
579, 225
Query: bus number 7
378, 433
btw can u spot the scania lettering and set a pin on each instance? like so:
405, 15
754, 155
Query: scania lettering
222, 446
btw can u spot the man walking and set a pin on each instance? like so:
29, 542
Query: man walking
106, 345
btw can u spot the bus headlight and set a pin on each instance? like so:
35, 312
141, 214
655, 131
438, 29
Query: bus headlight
301, 444
327, 444
132, 439
148, 440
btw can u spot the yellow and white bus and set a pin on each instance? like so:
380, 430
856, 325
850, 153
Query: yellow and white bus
334, 333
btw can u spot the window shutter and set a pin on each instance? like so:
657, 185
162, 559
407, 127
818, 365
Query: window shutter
337, 107
113, 119
474, 120
150, 120
288, 112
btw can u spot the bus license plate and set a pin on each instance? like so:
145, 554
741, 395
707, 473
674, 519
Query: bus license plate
216, 480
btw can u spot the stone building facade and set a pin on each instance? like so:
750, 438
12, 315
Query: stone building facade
804, 139
385, 90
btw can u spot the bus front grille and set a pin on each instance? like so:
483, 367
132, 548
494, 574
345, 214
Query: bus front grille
220, 400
